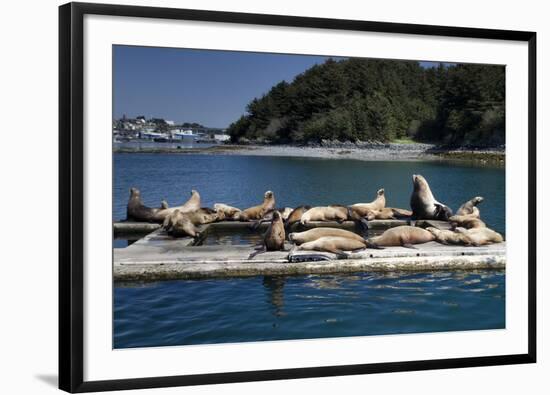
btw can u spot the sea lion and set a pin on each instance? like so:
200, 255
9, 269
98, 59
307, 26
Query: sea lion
325, 213
469, 208
336, 245
316, 233
296, 215
448, 236
193, 204
423, 203
229, 212
391, 213
274, 237
268, 216
404, 236
136, 210
177, 223
164, 204
257, 212
377, 204
481, 236
467, 221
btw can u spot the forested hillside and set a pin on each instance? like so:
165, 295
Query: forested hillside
380, 100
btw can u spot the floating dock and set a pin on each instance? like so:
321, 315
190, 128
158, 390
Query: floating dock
157, 256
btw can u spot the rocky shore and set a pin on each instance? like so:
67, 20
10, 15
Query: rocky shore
368, 151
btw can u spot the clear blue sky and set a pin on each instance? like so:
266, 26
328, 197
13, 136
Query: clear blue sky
208, 87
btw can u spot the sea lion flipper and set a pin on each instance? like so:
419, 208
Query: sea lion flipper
408, 245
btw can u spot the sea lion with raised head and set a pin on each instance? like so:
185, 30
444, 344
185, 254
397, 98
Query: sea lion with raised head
481, 236
334, 244
274, 237
136, 210
316, 233
176, 223
469, 208
423, 203
448, 236
257, 212
325, 213
164, 204
192, 204
377, 204
404, 236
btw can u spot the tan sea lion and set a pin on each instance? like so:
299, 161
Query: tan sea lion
179, 224
423, 203
257, 212
334, 244
467, 221
481, 236
316, 233
377, 204
404, 236
391, 213
325, 213
448, 236
193, 204
136, 210
164, 204
229, 212
469, 208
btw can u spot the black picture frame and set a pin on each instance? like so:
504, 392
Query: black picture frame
71, 204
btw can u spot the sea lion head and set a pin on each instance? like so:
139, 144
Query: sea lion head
277, 215
268, 195
477, 200
419, 182
134, 192
380, 192
194, 192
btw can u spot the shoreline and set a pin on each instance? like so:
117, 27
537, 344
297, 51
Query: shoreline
390, 151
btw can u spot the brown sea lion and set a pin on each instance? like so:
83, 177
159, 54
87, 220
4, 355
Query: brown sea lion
229, 212
257, 212
274, 237
469, 208
481, 236
316, 233
423, 203
404, 236
325, 213
136, 210
193, 204
377, 204
334, 244
448, 236
296, 215
467, 221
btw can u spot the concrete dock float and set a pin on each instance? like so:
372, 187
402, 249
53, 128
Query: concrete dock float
158, 256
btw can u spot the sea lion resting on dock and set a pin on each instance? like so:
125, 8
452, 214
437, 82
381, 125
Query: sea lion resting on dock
296, 215
481, 236
469, 208
404, 236
334, 244
228, 212
325, 213
257, 212
274, 237
180, 223
316, 233
268, 217
449, 236
467, 221
423, 203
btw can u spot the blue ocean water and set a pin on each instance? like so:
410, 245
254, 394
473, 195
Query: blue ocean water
270, 308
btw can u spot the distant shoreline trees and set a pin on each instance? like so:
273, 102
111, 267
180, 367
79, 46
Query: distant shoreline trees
380, 100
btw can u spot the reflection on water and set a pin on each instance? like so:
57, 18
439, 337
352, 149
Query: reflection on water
313, 306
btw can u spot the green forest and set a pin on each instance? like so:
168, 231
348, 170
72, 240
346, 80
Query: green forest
370, 100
